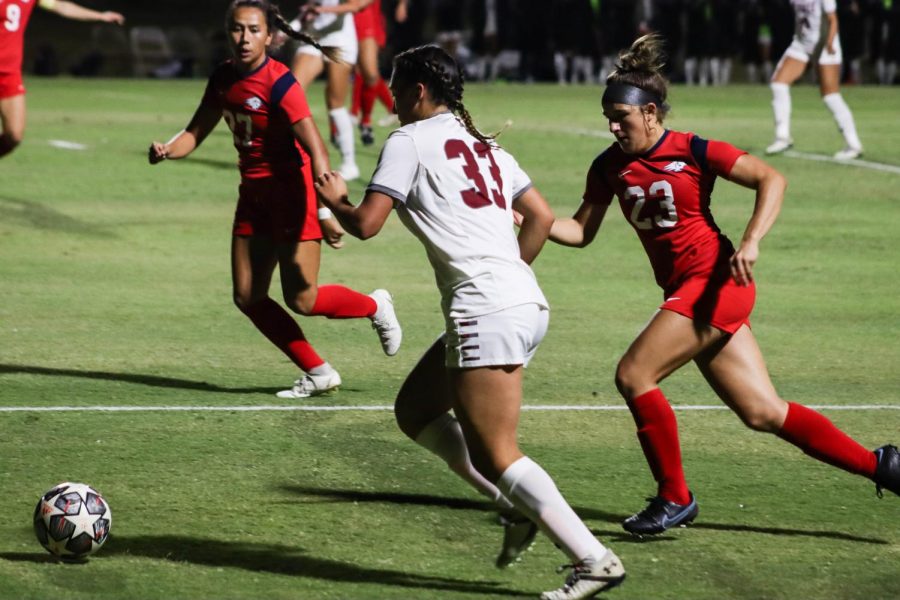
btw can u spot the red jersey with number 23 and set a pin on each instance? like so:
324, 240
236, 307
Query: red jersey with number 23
260, 107
665, 195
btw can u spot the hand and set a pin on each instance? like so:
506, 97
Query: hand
112, 17
742, 263
308, 13
332, 232
400, 13
331, 187
517, 218
278, 40
157, 153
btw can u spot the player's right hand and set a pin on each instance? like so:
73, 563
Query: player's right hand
157, 152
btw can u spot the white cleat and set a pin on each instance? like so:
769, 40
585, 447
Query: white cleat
349, 171
779, 146
312, 385
589, 577
518, 536
848, 153
385, 322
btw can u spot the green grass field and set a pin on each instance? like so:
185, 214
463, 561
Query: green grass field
116, 292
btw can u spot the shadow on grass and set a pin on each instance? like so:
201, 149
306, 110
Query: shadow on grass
40, 216
149, 380
586, 513
274, 558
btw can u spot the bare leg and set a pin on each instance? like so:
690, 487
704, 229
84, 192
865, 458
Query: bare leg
12, 118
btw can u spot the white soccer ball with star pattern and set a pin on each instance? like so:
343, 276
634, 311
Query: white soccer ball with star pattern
72, 520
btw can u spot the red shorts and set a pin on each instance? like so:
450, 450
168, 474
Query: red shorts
370, 24
281, 207
11, 85
719, 302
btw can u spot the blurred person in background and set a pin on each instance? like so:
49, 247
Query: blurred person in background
14, 17
331, 22
368, 84
807, 24
277, 220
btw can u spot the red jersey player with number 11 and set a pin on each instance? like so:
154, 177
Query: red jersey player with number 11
664, 180
277, 220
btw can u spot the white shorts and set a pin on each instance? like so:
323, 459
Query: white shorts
803, 51
507, 337
343, 39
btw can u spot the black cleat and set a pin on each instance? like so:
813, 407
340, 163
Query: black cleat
366, 136
887, 471
660, 515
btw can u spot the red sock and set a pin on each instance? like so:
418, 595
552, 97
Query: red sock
368, 96
339, 302
658, 434
282, 330
357, 94
817, 436
384, 94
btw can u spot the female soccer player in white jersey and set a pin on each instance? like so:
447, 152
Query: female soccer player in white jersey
808, 20
331, 21
455, 190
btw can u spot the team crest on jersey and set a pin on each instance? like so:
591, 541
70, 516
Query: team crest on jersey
675, 166
253, 102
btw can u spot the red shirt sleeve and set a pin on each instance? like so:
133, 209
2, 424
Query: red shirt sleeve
721, 156
597, 190
294, 104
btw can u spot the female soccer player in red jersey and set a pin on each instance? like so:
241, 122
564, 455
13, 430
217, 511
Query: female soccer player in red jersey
367, 82
663, 180
277, 220
14, 15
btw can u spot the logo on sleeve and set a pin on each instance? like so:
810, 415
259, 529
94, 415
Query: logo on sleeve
675, 166
253, 103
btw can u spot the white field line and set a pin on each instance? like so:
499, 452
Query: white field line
865, 164
319, 408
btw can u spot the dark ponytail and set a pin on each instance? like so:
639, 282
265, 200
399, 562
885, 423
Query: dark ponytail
641, 66
274, 19
437, 71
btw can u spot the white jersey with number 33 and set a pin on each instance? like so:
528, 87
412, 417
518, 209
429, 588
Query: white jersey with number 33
455, 194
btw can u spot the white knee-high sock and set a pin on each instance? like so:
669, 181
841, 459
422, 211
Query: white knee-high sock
444, 437
533, 492
343, 128
781, 106
844, 118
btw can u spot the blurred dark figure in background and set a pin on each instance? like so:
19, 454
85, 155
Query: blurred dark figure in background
529, 17
618, 28
406, 20
725, 16
698, 41
884, 37
665, 17
574, 40
851, 24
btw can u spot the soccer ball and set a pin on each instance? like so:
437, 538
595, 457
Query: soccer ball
72, 520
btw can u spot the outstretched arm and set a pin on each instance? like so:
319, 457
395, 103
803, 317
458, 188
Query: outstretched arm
536, 220
754, 173
185, 141
70, 10
363, 221
579, 230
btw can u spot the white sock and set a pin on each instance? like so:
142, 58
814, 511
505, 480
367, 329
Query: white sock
444, 437
781, 106
343, 133
690, 70
534, 493
323, 369
559, 65
844, 118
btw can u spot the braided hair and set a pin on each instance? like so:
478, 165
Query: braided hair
641, 66
442, 76
274, 19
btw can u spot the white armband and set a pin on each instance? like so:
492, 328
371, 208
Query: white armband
325, 213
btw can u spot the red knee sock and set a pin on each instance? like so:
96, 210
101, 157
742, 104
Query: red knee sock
339, 302
817, 436
384, 94
367, 103
658, 434
282, 330
357, 94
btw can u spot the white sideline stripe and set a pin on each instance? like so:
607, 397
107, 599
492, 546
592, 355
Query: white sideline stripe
856, 162
67, 145
311, 408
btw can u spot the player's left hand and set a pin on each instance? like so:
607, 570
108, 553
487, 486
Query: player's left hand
742, 262
332, 232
